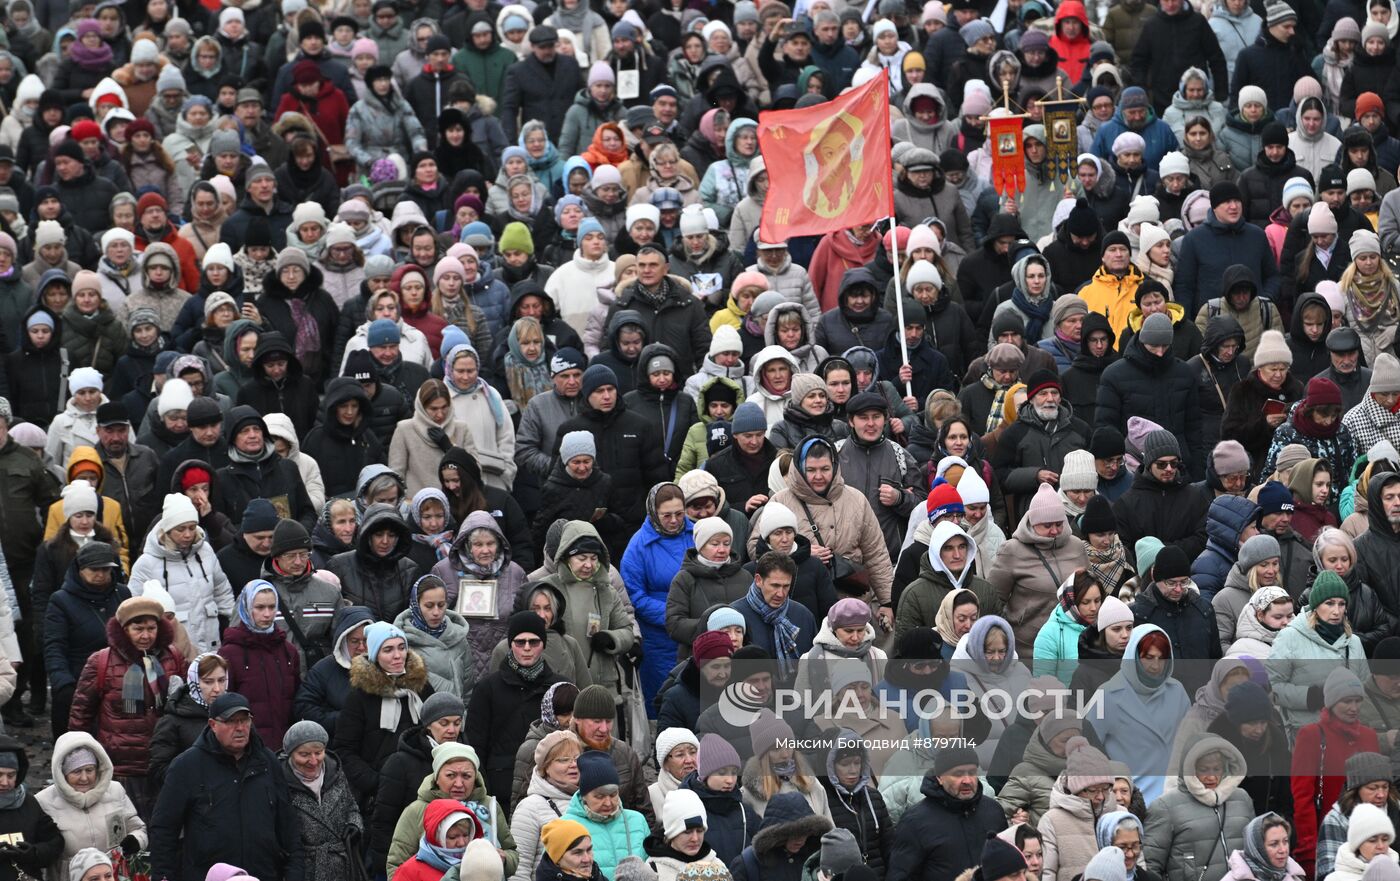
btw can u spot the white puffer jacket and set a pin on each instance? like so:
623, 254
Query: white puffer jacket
100, 817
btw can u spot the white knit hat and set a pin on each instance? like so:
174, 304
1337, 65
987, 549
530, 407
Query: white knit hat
1113, 611
1273, 349
972, 488
339, 233
1143, 209
218, 255
1149, 235
309, 212
84, 378
643, 211
671, 738
1253, 95
85, 860
1174, 162
726, 339
1078, 472
79, 498
693, 221
152, 590
1321, 221
1367, 820
682, 810
1295, 187
49, 232
775, 516
924, 272
1360, 179
176, 510
1363, 241
174, 395
708, 528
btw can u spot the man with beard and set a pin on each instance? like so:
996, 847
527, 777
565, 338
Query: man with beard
1151, 383
131, 471
1161, 503
1344, 353
932, 840
1032, 449
1074, 254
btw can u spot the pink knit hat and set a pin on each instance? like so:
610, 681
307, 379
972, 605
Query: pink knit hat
1045, 507
1085, 766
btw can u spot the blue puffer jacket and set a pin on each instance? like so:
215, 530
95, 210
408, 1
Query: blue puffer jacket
649, 564
1226, 519
492, 296
1157, 134
620, 837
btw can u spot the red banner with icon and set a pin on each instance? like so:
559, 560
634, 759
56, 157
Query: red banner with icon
1008, 159
828, 165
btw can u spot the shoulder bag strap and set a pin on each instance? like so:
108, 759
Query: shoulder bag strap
293, 627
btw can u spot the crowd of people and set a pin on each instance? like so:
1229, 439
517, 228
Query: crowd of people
416, 462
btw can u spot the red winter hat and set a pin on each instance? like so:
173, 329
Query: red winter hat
141, 125
710, 645
150, 200
1323, 392
1369, 102
943, 500
195, 476
305, 71
84, 129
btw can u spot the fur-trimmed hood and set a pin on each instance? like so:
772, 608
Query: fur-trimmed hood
783, 824
367, 677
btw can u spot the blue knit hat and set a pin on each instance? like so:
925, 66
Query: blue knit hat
588, 225
595, 769
382, 332
748, 417
595, 377
379, 633
1274, 498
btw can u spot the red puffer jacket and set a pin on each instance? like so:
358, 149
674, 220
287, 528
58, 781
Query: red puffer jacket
98, 706
264, 668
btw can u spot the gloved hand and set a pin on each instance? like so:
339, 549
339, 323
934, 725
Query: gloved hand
22, 850
1314, 698
130, 845
439, 437
602, 641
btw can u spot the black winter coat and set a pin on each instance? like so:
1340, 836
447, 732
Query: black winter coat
363, 746
1378, 548
940, 837
1262, 184
274, 304
741, 483
679, 321
1030, 444
865, 816
984, 270
668, 414
1070, 265
1174, 513
326, 686
1160, 388
271, 477
732, 821
1244, 408
627, 451
88, 198
1167, 46
32, 374
176, 731
1079, 384
380, 583
399, 779
502, 707
535, 90
75, 626
239, 562
278, 217
1273, 66
28, 823
342, 452
214, 809
1215, 381
1367, 73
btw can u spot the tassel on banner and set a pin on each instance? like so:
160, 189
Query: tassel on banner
1062, 149
1008, 157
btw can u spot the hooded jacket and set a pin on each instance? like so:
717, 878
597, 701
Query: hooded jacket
342, 451
326, 685
381, 583
193, 578
1194, 830
92, 818
920, 601
592, 599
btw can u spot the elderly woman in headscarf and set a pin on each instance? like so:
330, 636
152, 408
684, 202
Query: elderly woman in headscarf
525, 367
987, 657
650, 563
1122, 829
1265, 855
431, 526
481, 552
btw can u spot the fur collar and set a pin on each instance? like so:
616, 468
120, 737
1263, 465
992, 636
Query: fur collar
367, 677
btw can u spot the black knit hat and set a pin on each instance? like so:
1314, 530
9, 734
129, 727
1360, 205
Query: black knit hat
360, 366
1117, 237
1107, 442
1171, 563
69, 148
289, 535
1082, 220
526, 622
1150, 286
1097, 517
312, 28
956, 757
1274, 135
1000, 859
203, 411
1227, 191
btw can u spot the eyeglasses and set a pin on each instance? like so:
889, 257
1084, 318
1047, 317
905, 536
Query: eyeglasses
527, 643
1168, 464
297, 556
